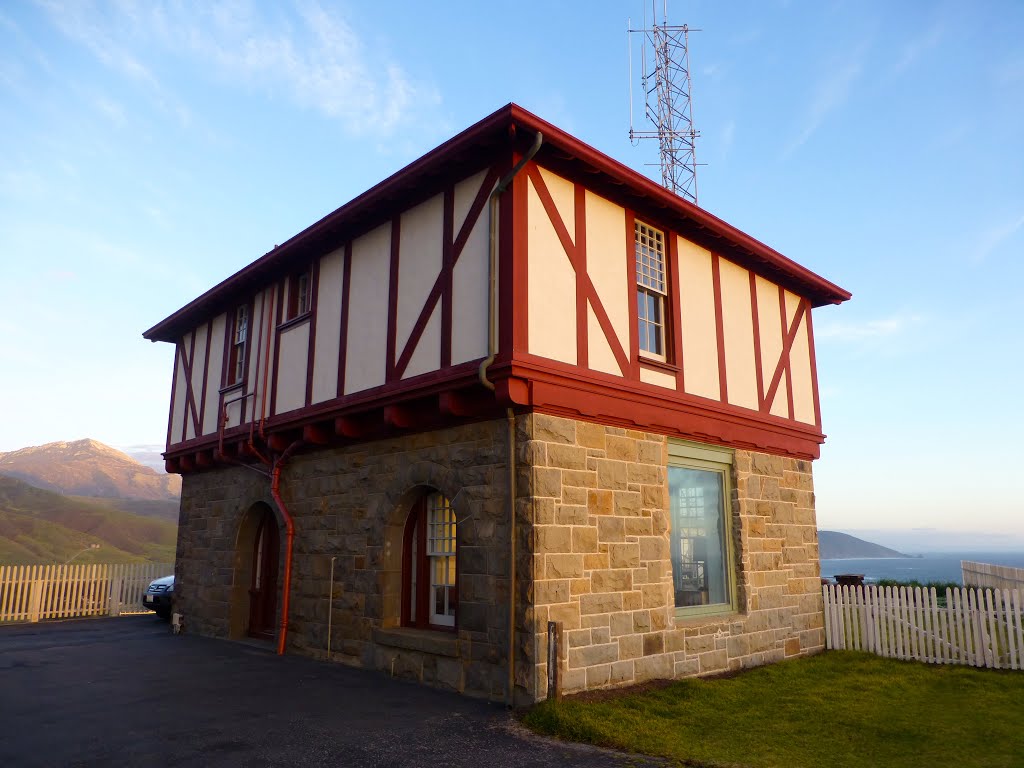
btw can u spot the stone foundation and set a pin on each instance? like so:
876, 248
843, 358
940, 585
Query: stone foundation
592, 555
351, 504
601, 566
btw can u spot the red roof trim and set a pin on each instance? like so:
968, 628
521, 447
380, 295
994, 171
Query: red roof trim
476, 146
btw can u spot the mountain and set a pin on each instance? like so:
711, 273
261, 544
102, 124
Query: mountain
89, 468
833, 545
40, 526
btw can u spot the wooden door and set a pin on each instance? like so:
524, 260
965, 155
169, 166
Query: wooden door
263, 588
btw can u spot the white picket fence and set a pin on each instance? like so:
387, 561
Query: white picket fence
36, 592
978, 627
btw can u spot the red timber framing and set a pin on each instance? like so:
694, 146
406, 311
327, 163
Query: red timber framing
523, 381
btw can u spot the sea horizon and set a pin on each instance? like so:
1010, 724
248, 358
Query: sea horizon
925, 567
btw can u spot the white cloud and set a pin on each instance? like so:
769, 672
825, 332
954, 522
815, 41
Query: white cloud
299, 52
111, 110
832, 93
920, 45
1011, 71
993, 237
728, 137
884, 327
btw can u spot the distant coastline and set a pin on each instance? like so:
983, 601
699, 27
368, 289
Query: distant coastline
834, 545
926, 567
878, 557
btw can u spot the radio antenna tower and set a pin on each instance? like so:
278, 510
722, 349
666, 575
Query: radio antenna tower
665, 79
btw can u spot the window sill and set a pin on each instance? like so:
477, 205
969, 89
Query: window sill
438, 643
658, 365
727, 615
231, 388
297, 320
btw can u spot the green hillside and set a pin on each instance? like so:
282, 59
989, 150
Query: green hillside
38, 526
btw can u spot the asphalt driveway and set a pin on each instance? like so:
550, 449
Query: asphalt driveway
125, 691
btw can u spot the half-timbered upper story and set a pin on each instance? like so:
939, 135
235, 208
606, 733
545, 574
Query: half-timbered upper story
614, 300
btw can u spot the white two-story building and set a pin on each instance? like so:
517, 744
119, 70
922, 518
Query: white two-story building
514, 385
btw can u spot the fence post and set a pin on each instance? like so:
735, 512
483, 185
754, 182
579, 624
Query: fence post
34, 599
115, 591
554, 688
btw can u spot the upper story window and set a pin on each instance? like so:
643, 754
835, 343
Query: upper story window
650, 290
700, 528
299, 295
430, 572
240, 336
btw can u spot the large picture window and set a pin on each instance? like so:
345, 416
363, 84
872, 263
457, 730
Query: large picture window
701, 547
430, 588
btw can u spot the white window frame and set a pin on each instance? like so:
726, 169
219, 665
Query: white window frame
651, 283
241, 337
441, 546
707, 458
303, 302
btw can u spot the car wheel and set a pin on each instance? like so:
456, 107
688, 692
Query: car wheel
163, 613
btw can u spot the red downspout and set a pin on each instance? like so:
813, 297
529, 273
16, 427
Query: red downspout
286, 588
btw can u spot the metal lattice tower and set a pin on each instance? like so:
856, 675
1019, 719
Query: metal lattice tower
665, 79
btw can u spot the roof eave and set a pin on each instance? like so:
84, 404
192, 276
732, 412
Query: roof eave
506, 120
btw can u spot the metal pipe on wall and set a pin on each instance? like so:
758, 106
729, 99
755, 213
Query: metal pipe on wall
330, 608
492, 349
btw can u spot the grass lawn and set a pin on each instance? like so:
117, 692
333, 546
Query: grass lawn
837, 709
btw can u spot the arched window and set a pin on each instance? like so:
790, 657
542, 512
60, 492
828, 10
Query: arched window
430, 589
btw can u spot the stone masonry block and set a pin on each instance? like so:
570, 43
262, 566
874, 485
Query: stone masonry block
566, 566
567, 456
612, 475
627, 503
551, 591
552, 429
621, 672
600, 502
592, 655
598, 677
579, 478
584, 539
590, 435
612, 580
554, 538
647, 474
611, 529
547, 482
639, 526
600, 603
566, 514
653, 548
624, 555
621, 448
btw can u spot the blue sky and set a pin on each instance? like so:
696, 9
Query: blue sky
151, 149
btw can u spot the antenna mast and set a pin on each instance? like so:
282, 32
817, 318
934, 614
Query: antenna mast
665, 79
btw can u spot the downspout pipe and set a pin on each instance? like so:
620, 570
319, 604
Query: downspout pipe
492, 349
492, 262
511, 416
286, 588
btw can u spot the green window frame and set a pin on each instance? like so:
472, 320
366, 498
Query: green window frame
700, 529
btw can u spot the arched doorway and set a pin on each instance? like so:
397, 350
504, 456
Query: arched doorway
266, 550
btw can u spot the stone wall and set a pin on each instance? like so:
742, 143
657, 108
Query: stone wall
593, 555
351, 504
600, 560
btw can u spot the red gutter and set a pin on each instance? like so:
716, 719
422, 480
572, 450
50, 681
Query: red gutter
286, 588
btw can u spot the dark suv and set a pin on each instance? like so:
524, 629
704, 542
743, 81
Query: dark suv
159, 596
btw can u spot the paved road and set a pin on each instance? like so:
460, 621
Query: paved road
110, 692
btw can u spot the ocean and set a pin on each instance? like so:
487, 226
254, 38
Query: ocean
933, 566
